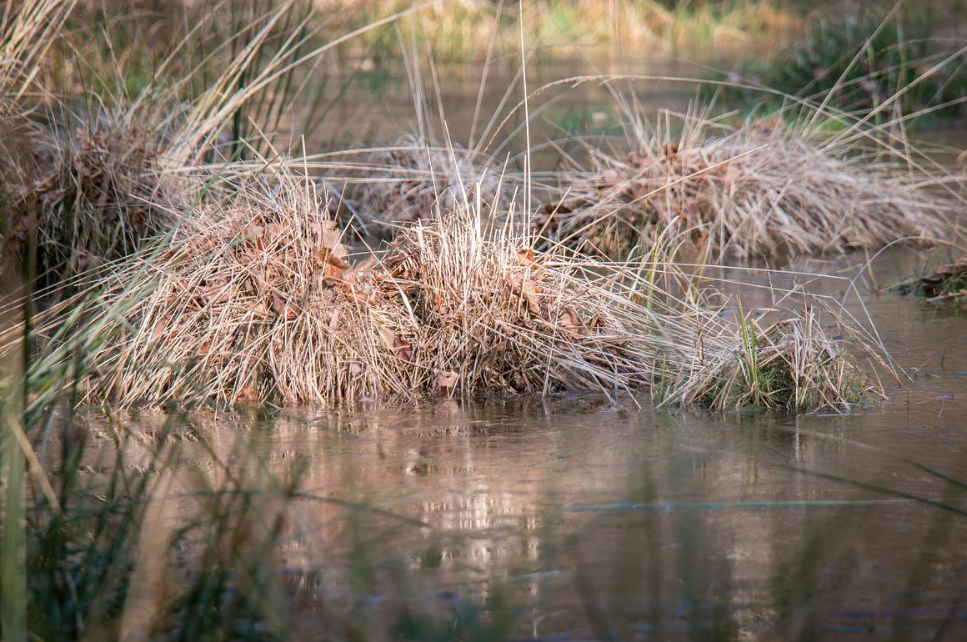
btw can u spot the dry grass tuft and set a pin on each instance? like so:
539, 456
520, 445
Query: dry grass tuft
752, 191
27, 30
255, 301
108, 175
792, 364
409, 181
102, 188
239, 307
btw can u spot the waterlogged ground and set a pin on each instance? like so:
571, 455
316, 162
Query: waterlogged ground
579, 517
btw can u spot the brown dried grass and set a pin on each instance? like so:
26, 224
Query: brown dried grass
256, 301
756, 190
104, 187
120, 171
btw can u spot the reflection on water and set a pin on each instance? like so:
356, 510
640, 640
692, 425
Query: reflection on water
588, 518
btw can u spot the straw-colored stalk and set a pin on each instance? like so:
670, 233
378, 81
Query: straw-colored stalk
753, 191
256, 301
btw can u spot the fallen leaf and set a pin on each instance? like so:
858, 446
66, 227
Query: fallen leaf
285, 309
569, 321
278, 303
330, 271
326, 258
337, 261
359, 294
530, 291
402, 349
525, 256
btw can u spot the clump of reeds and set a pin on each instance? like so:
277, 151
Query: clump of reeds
255, 300
757, 190
412, 179
792, 363
107, 176
27, 30
101, 188
239, 286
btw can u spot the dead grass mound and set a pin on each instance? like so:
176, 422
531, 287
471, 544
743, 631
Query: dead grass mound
102, 189
754, 191
256, 301
240, 306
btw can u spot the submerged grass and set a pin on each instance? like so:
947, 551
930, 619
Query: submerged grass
945, 284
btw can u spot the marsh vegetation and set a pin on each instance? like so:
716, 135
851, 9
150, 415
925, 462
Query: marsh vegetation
219, 317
